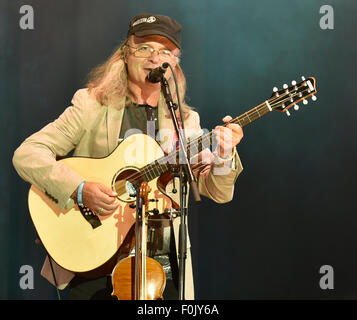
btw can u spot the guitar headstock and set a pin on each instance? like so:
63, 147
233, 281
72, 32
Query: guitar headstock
282, 100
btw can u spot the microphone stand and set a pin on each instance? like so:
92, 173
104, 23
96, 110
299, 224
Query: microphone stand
186, 176
139, 216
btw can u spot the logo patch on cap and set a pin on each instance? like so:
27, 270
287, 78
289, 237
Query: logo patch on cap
151, 19
142, 20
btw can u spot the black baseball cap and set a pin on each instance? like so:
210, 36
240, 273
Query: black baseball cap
154, 24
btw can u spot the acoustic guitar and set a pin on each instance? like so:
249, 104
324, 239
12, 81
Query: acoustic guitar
81, 241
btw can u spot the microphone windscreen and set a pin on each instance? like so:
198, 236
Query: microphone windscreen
155, 75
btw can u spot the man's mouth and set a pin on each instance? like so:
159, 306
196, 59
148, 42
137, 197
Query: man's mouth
150, 68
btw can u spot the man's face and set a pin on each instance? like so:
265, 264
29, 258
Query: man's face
139, 67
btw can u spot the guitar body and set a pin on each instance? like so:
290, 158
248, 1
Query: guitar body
81, 241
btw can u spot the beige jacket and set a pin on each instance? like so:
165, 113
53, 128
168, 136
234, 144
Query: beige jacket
92, 130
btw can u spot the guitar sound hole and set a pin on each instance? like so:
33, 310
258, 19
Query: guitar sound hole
124, 184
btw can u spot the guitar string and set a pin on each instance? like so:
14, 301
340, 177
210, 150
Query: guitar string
252, 111
150, 168
273, 101
238, 119
172, 156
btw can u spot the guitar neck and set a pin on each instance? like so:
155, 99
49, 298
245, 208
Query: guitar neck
252, 115
207, 140
195, 146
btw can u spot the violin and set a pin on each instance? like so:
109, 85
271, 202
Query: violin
139, 277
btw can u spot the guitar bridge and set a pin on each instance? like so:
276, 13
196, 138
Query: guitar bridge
90, 216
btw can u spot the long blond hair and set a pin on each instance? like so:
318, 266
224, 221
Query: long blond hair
108, 82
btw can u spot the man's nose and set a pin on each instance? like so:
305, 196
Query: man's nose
155, 58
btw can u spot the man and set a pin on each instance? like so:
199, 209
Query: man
119, 97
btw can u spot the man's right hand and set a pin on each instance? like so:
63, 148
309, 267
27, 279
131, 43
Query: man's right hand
96, 196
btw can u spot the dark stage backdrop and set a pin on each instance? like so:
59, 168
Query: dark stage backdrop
294, 206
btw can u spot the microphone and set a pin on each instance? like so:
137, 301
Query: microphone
155, 75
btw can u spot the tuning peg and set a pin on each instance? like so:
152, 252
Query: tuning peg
296, 107
313, 98
275, 89
293, 83
285, 86
305, 102
287, 113
303, 78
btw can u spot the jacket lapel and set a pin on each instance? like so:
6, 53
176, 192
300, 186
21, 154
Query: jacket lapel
114, 119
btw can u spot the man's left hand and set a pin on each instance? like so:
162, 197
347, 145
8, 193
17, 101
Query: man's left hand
228, 137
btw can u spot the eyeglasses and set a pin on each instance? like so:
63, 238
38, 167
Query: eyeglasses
145, 51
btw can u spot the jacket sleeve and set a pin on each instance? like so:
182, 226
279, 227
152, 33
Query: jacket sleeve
35, 159
218, 185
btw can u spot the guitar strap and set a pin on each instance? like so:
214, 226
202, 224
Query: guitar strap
54, 276
38, 241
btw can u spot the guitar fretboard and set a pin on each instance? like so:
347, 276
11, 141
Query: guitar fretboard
193, 147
